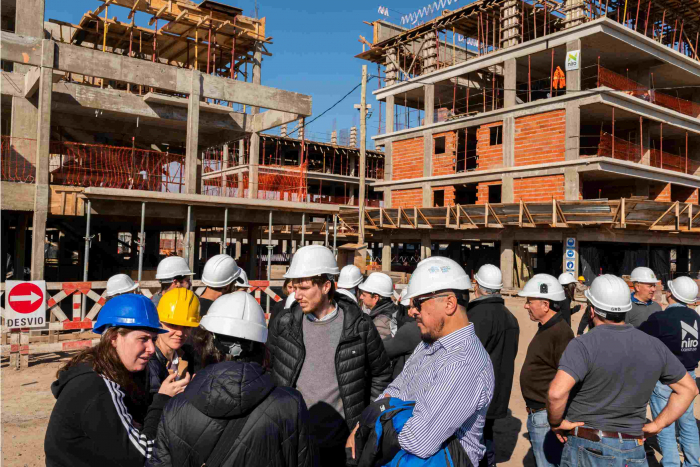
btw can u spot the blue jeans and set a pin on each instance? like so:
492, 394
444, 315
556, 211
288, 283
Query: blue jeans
545, 445
687, 431
609, 452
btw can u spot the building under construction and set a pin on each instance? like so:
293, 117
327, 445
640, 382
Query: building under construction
122, 144
541, 135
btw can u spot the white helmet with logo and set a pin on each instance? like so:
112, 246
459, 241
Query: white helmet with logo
172, 267
236, 315
220, 271
437, 273
567, 278
242, 280
643, 275
684, 289
120, 283
350, 277
545, 287
378, 283
311, 261
489, 277
609, 293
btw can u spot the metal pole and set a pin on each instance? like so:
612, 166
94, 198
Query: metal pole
142, 239
187, 234
326, 231
335, 217
363, 148
269, 257
303, 228
86, 258
225, 230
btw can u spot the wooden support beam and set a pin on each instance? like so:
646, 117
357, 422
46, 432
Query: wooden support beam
133, 9
157, 15
673, 206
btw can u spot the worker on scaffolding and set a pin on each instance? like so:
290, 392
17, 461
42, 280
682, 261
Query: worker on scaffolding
232, 413
499, 332
178, 312
173, 272
325, 347
376, 294
597, 403
102, 414
219, 275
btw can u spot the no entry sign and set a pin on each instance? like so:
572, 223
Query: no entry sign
25, 305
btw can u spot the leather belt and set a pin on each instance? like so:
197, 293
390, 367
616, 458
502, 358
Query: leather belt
596, 435
531, 411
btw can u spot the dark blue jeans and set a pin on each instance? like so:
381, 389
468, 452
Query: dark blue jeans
609, 452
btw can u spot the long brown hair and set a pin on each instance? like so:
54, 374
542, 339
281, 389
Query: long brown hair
105, 360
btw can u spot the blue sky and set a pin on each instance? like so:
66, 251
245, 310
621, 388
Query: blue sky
313, 51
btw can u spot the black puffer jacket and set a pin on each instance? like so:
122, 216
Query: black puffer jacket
361, 364
275, 433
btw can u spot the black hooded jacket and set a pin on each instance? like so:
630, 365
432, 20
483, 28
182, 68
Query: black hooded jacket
95, 423
274, 434
362, 366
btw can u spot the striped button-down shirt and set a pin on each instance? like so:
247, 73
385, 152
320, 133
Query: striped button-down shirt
452, 383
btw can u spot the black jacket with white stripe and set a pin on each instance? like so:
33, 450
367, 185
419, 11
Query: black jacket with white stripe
95, 423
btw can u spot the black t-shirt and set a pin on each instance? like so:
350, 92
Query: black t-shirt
204, 304
616, 368
677, 327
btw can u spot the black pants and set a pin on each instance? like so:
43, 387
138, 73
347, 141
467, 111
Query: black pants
332, 456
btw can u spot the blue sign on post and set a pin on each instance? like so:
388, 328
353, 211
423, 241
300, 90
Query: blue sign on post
571, 254
570, 266
570, 242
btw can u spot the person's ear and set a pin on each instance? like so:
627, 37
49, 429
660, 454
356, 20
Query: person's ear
327, 287
450, 305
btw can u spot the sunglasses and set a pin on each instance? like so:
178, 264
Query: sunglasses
417, 303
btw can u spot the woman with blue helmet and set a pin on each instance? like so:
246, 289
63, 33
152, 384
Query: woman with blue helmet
102, 414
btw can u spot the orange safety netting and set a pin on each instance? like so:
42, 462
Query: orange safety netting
97, 165
284, 183
17, 159
615, 81
628, 151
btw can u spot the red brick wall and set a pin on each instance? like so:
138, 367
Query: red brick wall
660, 192
407, 198
539, 189
490, 157
407, 158
444, 164
684, 194
540, 138
449, 195
482, 191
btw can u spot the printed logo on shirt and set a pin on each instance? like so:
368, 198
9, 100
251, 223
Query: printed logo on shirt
690, 332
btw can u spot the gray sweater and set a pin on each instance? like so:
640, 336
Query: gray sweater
640, 312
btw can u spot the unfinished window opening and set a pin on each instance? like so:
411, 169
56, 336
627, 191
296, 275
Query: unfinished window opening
438, 198
466, 150
439, 145
496, 135
466, 194
495, 193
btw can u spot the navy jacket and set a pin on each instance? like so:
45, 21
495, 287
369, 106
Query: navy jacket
677, 327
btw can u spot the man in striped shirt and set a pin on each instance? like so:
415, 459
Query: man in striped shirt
449, 375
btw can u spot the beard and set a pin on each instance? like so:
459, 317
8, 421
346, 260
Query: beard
430, 336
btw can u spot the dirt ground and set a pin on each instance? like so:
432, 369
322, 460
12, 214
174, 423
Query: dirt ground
27, 403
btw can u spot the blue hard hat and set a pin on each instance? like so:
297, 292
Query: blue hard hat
128, 311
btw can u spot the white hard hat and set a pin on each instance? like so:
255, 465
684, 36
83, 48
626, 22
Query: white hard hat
489, 276
171, 267
121, 283
311, 261
403, 300
220, 271
242, 280
350, 277
290, 300
439, 273
609, 293
378, 283
684, 289
237, 315
543, 286
643, 275
567, 278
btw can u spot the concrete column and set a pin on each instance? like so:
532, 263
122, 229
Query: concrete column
429, 103
224, 165
238, 249
252, 265
389, 122
190, 240
255, 137
575, 13
573, 131
646, 140
241, 161
573, 77
43, 140
391, 72
429, 53
192, 155
507, 260
29, 19
507, 194
510, 75
425, 245
572, 187
386, 253
390, 103
510, 23
509, 141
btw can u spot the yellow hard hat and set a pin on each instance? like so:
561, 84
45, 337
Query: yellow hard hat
179, 307
581, 278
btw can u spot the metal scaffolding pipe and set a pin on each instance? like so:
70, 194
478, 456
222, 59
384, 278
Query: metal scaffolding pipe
326, 231
187, 234
335, 234
269, 256
142, 239
303, 228
86, 257
223, 247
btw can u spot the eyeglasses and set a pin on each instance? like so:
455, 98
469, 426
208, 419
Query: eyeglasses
417, 303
